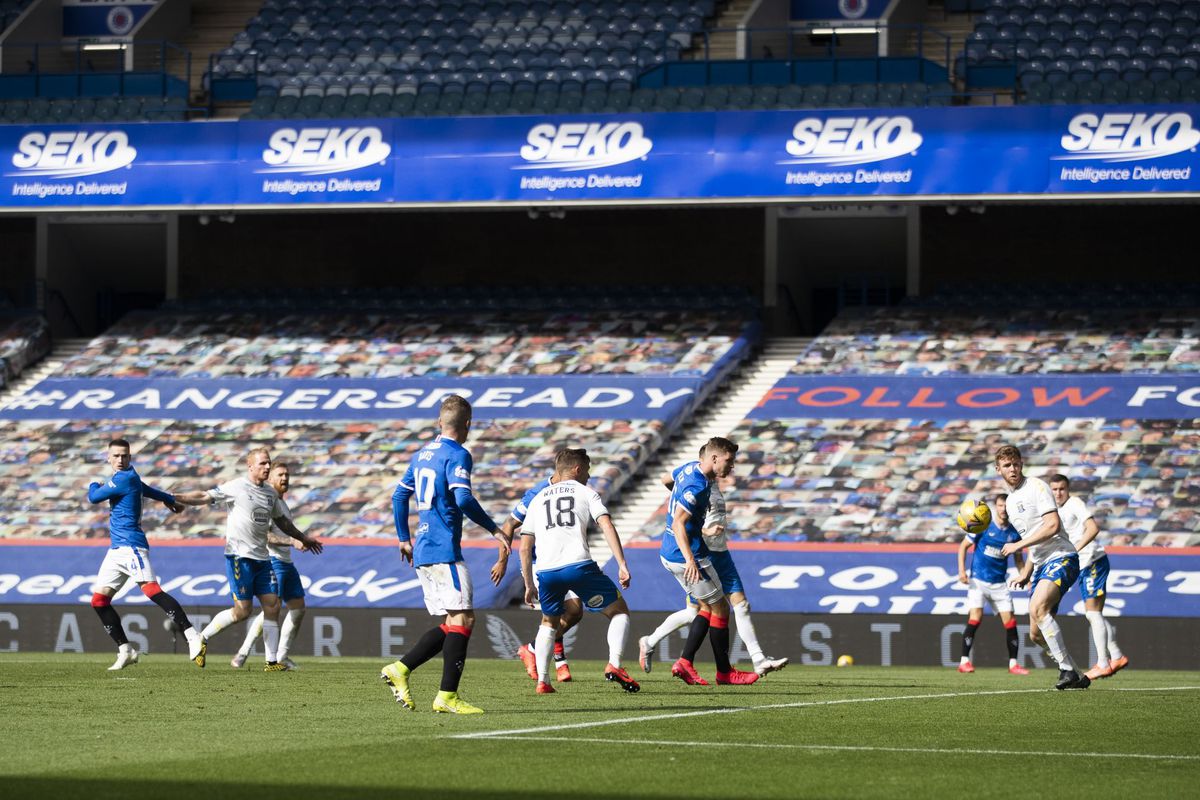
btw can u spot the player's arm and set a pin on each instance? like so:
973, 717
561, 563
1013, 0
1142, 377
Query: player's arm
166, 498
195, 498
668, 480
527, 568
311, 544
117, 486
470, 507
963, 547
1048, 527
508, 529
1090, 531
691, 570
400, 499
614, 543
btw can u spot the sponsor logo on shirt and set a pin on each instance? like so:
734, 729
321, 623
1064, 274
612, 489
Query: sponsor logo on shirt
461, 472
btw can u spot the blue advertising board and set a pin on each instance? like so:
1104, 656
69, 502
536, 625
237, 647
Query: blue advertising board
1024, 151
514, 397
887, 580
103, 20
1158, 396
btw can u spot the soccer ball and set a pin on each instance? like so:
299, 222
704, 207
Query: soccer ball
974, 517
845, 661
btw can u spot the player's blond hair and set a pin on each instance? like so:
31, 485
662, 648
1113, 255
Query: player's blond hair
250, 456
1008, 452
455, 413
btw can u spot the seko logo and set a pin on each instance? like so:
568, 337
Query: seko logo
842, 141
1128, 137
71, 154
323, 151
575, 146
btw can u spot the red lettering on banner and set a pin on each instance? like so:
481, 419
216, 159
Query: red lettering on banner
875, 400
776, 393
921, 400
848, 395
1072, 394
1007, 396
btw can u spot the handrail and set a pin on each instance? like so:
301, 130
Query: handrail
76, 61
881, 28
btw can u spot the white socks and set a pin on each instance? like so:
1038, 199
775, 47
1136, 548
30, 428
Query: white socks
288, 630
671, 624
745, 629
1054, 642
618, 632
543, 648
1099, 636
1114, 652
270, 638
219, 623
254, 630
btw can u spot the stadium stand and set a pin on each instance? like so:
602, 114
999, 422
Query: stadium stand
345, 470
1092, 51
878, 481
42, 110
24, 338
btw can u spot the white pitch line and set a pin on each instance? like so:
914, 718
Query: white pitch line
866, 748
771, 706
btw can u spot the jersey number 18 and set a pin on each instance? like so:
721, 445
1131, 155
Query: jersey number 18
563, 513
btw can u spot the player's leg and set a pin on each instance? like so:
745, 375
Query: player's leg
112, 576
974, 618
291, 591
572, 614
253, 631
1047, 593
271, 606
718, 637
1093, 585
527, 652
148, 582
672, 623
543, 646
1011, 640
460, 620
395, 675
731, 584
707, 592
618, 634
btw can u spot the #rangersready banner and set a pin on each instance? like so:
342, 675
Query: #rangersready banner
516, 397
982, 152
1160, 396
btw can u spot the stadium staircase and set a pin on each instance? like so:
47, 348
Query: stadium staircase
930, 40
722, 45
722, 414
214, 24
63, 351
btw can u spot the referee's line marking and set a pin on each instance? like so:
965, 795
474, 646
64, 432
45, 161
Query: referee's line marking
768, 707
866, 748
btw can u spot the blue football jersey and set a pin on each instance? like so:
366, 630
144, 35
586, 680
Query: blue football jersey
691, 494
440, 467
522, 508
124, 492
987, 564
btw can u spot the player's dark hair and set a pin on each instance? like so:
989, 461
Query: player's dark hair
1063, 479
1001, 496
119, 443
720, 444
455, 412
1008, 451
568, 459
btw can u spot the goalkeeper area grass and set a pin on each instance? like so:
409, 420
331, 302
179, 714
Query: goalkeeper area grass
165, 728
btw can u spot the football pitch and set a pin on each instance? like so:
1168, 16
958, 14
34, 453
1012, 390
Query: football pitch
331, 729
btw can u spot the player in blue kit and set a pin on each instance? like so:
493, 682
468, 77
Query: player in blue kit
685, 555
439, 478
572, 611
129, 556
988, 580
558, 518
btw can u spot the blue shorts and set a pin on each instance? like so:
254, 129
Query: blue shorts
1093, 579
1062, 571
595, 589
249, 577
288, 579
722, 562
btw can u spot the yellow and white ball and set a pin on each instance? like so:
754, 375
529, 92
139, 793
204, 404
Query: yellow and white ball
845, 660
974, 516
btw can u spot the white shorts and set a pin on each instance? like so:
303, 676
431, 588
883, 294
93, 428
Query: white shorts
707, 589
996, 593
447, 587
570, 595
122, 564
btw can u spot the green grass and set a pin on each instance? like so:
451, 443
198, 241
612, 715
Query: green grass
165, 728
